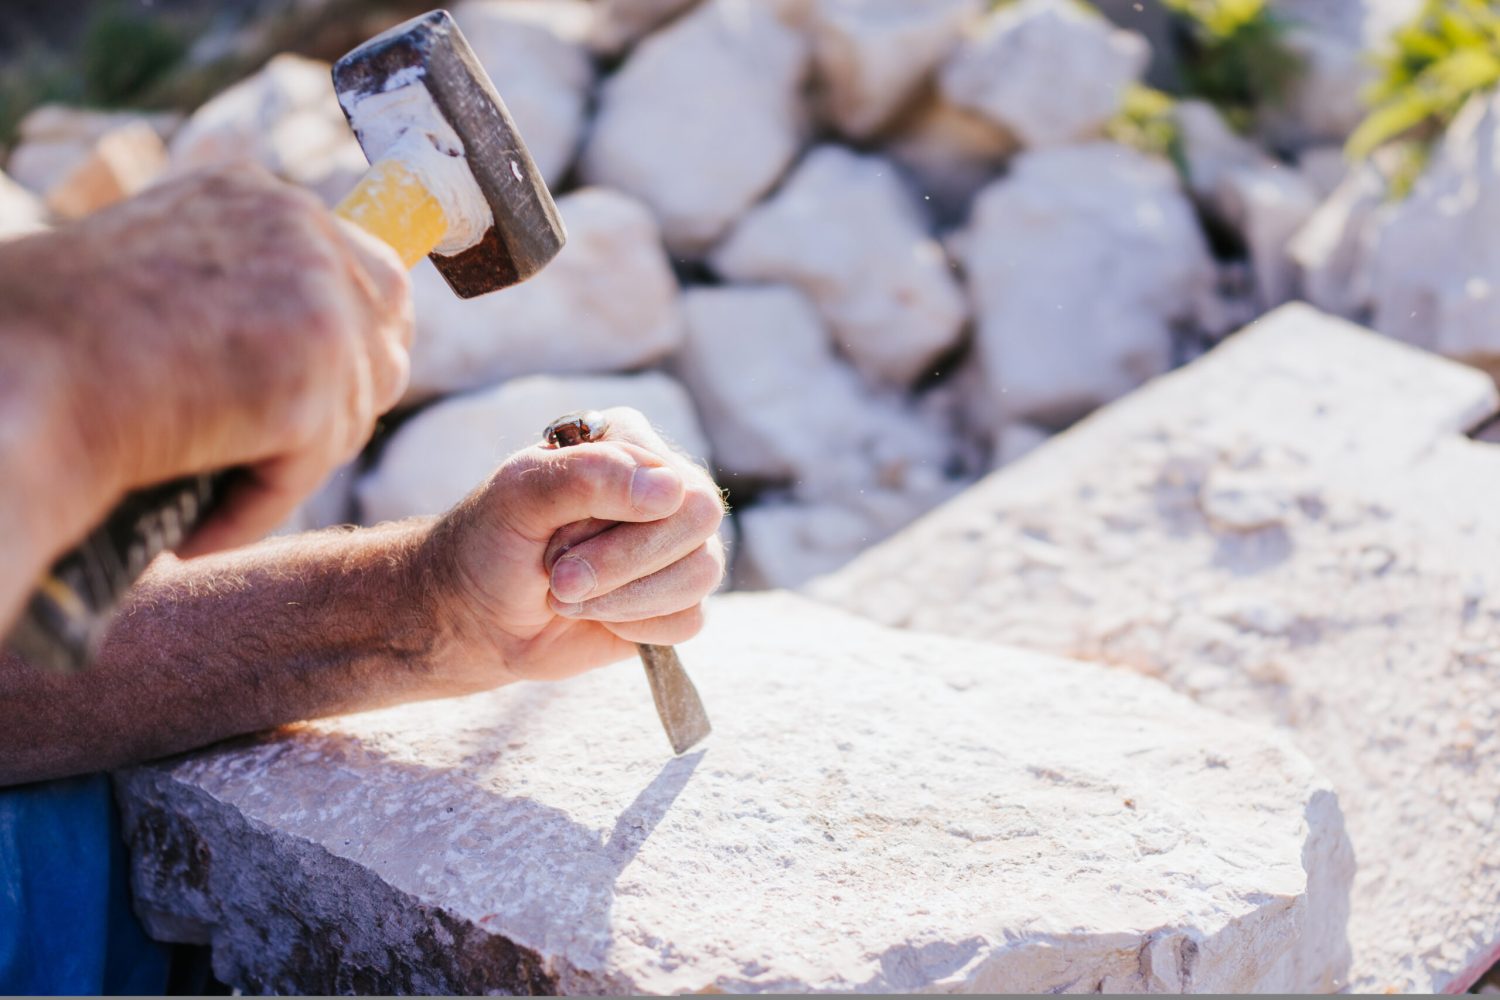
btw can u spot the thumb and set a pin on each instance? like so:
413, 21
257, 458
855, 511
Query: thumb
548, 488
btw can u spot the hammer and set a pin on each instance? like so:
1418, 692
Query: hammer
450, 179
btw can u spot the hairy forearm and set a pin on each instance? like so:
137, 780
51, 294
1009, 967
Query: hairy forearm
295, 628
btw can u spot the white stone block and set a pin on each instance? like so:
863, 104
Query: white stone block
875, 812
286, 118
1434, 262
1079, 262
873, 56
1295, 531
702, 119
846, 230
438, 456
608, 301
1050, 71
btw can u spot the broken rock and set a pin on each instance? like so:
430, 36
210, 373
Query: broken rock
1100, 217
1050, 71
608, 301
287, 119
702, 119
871, 58
450, 448
950, 154
1293, 530
846, 230
875, 812
618, 24
120, 163
21, 212
543, 76
1332, 248
1434, 264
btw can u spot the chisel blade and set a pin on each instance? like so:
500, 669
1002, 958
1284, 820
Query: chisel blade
677, 701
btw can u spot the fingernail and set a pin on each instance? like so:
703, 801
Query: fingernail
655, 489
573, 579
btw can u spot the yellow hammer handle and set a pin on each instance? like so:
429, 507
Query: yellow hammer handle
392, 203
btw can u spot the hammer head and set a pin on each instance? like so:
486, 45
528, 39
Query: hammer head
457, 100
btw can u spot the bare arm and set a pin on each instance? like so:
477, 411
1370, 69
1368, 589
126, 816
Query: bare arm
340, 621
232, 643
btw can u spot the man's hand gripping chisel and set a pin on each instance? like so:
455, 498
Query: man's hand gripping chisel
450, 179
677, 702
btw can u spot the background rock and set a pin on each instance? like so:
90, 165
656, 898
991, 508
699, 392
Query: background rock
1050, 71
438, 456
949, 153
621, 23
543, 76
872, 56
608, 301
1294, 531
286, 118
21, 212
702, 119
1433, 269
856, 823
845, 230
1080, 262
1333, 247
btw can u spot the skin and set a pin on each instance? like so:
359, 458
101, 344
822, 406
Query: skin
559, 563
222, 320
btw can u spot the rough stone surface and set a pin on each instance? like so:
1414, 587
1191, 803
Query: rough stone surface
875, 812
608, 301
1292, 530
871, 58
1332, 248
1434, 266
118, 164
1051, 71
1101, 218
286, 118
54, 138
847, 232
702, 119
448, 449
543, 76
1263, 201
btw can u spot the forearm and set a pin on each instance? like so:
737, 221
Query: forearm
295, 628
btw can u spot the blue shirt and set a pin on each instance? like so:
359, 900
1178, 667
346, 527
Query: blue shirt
66, 925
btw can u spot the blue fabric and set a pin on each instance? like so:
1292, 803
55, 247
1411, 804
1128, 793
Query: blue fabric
66, 926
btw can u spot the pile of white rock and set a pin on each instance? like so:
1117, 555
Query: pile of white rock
849, 253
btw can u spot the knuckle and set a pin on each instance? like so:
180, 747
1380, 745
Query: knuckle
704, 569
702, 509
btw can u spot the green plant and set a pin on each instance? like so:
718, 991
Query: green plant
1147, 120
1448, 52
125, 50
1233, 54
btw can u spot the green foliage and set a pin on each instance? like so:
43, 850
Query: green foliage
126, 50
1147, 120
1449, 51
1233, 54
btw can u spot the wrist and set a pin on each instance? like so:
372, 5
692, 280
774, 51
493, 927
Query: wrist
465, 656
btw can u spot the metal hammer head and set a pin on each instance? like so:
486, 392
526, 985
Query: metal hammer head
455, 118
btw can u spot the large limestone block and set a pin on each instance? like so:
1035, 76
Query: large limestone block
871, 58
543, 76
847, 231
1292, 529
608, 301
448, 449
702, 119
1434, 265
286, 118
1080, 262
1050, 71
875, 812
